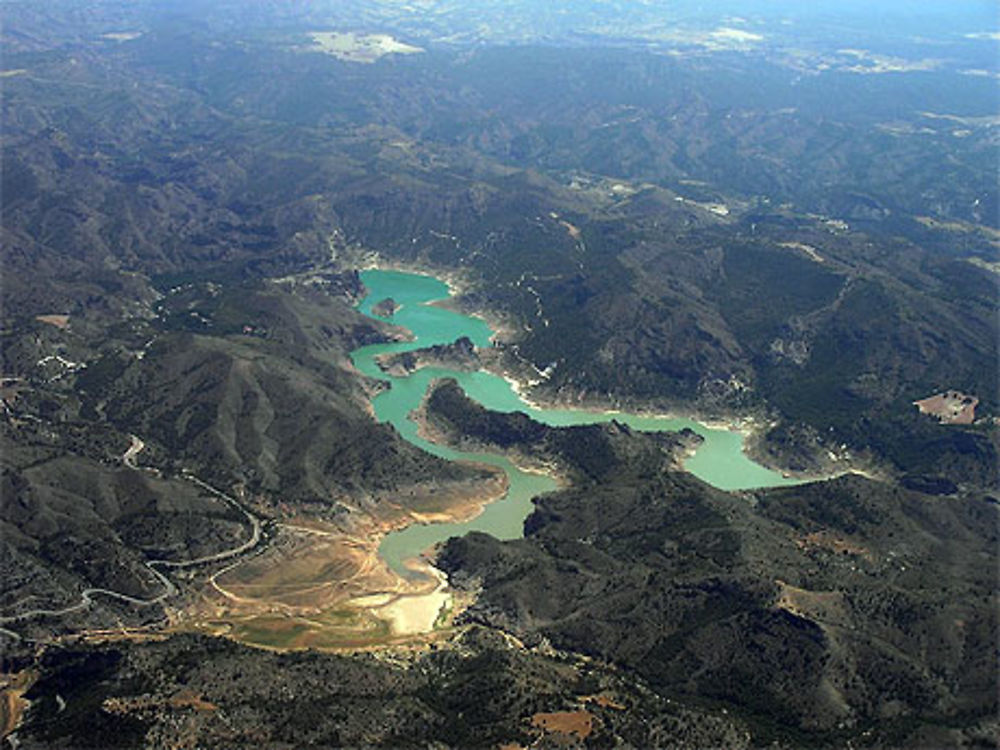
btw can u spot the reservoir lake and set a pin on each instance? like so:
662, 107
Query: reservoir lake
719, 460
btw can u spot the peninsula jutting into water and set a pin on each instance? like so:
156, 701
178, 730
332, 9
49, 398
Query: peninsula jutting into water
719, 460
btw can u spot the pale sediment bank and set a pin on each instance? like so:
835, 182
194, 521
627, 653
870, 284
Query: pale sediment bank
417, 613
457, 284
325, 586
745, 425
751, 428
460, 507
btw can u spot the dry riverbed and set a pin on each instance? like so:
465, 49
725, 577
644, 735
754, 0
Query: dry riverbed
323, 585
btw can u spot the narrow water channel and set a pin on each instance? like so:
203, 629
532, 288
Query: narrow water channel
720, 460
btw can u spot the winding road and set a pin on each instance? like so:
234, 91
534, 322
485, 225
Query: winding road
86, 596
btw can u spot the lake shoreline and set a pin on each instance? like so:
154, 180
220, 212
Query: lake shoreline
419, 596
747, 425
752, 427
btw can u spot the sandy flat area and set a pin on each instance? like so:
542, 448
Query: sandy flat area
360, 48
950, 407
413, 614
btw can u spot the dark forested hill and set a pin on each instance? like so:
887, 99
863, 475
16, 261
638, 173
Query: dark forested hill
815, 612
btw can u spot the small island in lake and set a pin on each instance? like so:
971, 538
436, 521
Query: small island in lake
386, 308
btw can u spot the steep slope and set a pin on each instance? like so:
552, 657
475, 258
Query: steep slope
817, 613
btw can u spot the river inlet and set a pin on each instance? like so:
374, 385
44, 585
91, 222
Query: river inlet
719, 460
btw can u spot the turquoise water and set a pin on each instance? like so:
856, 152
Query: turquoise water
720, 460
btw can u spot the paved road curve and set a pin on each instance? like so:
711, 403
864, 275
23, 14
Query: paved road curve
86, 596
